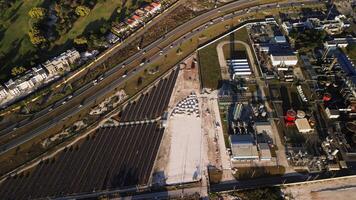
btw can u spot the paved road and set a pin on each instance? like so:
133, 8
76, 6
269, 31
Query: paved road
185, 32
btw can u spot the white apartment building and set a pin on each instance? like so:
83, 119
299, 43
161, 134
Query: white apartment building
61, 63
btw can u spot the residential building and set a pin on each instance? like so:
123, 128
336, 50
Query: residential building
156, 7
3, 92
119, 28
39, 75
11, 86
333, 26
62, 63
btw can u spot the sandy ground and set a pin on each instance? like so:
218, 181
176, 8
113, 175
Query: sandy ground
330, 190
182, 154
218, 155
184, 164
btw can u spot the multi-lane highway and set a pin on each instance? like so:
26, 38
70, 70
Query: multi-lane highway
69, 107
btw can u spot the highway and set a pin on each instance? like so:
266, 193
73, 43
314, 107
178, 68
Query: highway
183, 32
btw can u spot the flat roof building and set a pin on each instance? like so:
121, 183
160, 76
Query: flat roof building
265, 152
283, 59
239, 67
303, 125
243, 148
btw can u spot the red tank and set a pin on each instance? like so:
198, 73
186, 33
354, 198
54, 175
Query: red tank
291, 115
327, 97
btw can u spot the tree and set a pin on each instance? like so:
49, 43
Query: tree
17, 70
80, 40
82, 11
37, 13
36, 37
139, 81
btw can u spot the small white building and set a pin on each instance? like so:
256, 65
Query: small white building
39, 75
11, 86
332, 113
3, 92
303, 125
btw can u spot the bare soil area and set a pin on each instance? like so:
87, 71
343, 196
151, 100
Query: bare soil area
330, 190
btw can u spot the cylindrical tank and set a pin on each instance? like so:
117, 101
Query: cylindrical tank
327, 97
300, 114
291, 115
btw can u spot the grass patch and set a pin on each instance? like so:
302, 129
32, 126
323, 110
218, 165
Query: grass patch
102, 12
14, 42
209, 67
208, 58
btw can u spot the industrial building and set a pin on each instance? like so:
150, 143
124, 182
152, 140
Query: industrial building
243, 148
239, 68
265, 152
303, 125
280, 59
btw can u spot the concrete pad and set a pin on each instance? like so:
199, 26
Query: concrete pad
184, 163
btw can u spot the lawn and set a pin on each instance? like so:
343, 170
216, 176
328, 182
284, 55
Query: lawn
14, 42
208, 59
16, 47
102, 12
209, 67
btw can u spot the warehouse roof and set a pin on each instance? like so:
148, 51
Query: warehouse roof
303, 125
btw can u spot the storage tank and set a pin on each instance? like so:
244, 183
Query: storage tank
300, 114
291, 115
327, 97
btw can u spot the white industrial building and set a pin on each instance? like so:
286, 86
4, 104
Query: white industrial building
243, 148
303, 125
239, 67
284, 60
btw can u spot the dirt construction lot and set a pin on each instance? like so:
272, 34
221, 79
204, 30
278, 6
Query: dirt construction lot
182, 154
191, 141
331, 190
